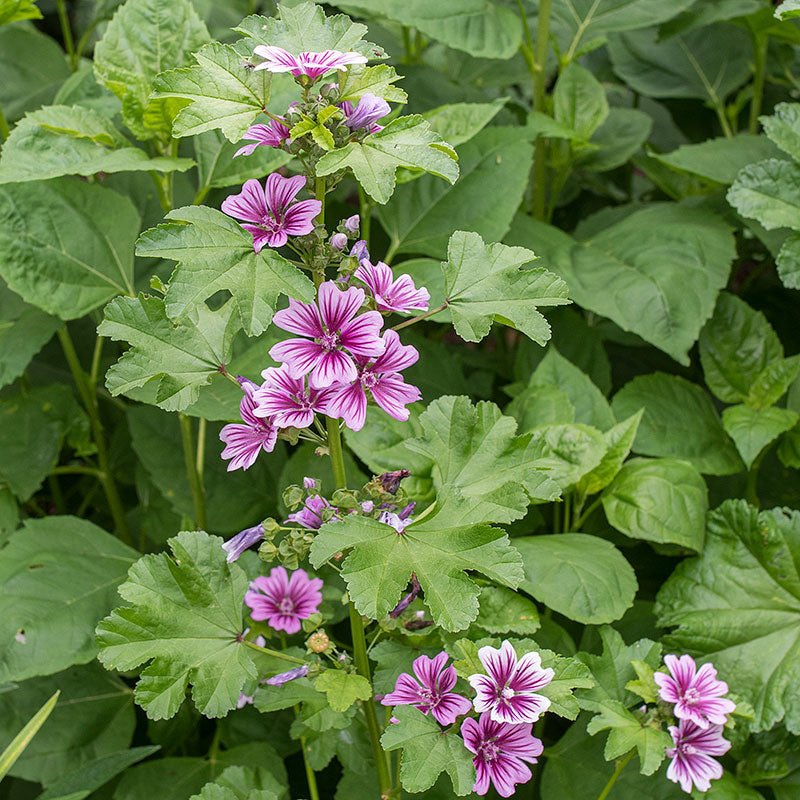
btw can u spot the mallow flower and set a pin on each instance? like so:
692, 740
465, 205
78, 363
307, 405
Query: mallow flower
273, 134
236, 545
390, 294
283, 601
692, 761
272, 210
287, 401
310, 515
335, 333
314, 65
368, 111
244, 441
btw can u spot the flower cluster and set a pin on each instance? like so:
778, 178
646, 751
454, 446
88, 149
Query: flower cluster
701, 711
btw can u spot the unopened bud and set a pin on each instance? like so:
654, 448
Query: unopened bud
309, 483
267, 552
338, 241
352, 223
319, 642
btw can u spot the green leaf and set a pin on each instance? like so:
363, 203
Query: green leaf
505, 611
66, 246
485, 283
93, 718
146, 37
660, 500
81, 565
707, 63
788, 262
619, 441
579, 101
679, 421
215, 253
482, 28
17, 746
15, 10
343, 688
700, 15
242, 783
379, 567
569, 451
539, 405
753, 429
783, 127
616, 140
643, 263
64, 140
773, 381
404, 142
459, 122
583, 577
474, 450
427, 752
719, 159
769, 192
788, 9
185, 617
315, 714
360, 80
179, 358
738, 605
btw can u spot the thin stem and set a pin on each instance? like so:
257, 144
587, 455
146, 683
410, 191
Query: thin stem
723, 120
66, 33
567, 513
751, 488
760, 43
311, 776
163, 198
201, 195
273, 653
538, 78
94, 372
335, 450
200, 459
365, 214
407, 46
419, 318
195, 481
4, 131
613, 779
84, 40
90, 404
77, 470
586, 514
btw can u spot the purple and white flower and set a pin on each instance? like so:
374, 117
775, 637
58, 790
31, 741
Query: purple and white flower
273, 134
431, 690
692, 761
338, 241
314, 65
289, 675
508, 692
352, 223
392, 295
336, 333
501, 751
310, 515
287, 400
368, 111
236, 545
272, 210
359, 250
697, 694
283, 601
243, 442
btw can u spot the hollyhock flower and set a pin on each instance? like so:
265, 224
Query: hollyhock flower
501, 751
430, 691
289, 675
310, 515
691, 756
352, 223
697, 693
398, 295
314, 65
287, 400
508, 692
382, 378
274, 133
368, 111
236, 545
284, 601
338, 241
244, 442
273, 209
336, 332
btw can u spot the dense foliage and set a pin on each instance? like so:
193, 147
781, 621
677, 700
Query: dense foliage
399, 399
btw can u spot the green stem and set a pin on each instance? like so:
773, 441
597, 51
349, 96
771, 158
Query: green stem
195, 481
77, 470
89, 400
66, 32
760, 43
273, 653
613, 779
420, 317
163, 198
723, 120
94, 372
335, 450
751, 488
200, 459
4, 131
586, 514
365, 214
538, 77
311, 776
84, 40
407, 46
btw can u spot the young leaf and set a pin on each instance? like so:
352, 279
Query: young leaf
81, 565
66, 246
381, 561
738, 605
180, 358
568, 452
768, 191
579, 101
753, 429
773, 381
404, 142
485, 283
343, 688
185, 618
359, 80
214, 253
15, 10
619, 441
583, 577
427, 752
783, 127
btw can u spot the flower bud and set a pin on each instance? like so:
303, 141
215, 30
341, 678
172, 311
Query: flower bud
338, 241
293, 496
352, 223
318, 642
267, 552
309, 483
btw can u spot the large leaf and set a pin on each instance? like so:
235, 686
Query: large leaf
185, 618
178, 358
457, 123
64, 140
738, 605
146, 37
487, 282
679, 421
404, 142
656, 273
66, 246
582, 577
379, 566
754, 428
47, 630
769, 192
215, 253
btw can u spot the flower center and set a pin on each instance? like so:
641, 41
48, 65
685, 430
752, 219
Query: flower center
691, 696
506, 693
488, 751
369, 379
428, 696
329, 341
687, 749
286, 606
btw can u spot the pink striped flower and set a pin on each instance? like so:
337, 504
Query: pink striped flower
697, 694
273, 134
273, 210
431, 690
368, 111
314, 65
692, 761
508, 692
243, 442
501, 751
283, 601
382, 379
336, 333
392, 295
287, 400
